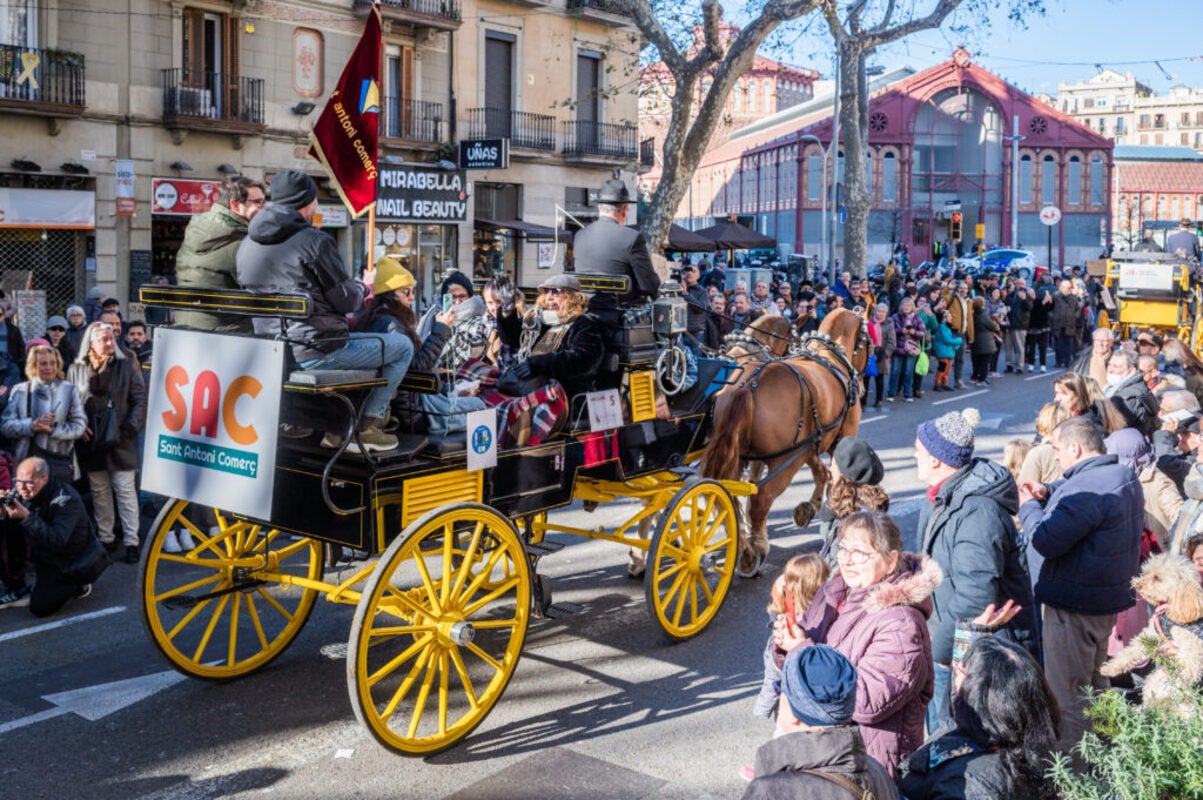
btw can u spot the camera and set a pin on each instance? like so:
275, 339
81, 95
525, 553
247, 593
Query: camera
10, 497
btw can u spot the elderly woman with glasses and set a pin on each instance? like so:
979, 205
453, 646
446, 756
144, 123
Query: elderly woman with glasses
874, 611
112, 391
559, 339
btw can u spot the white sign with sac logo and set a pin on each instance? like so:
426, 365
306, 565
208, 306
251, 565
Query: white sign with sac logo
212, 416
482, 439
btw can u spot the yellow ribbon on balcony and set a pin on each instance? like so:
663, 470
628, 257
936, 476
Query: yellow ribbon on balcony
30, 62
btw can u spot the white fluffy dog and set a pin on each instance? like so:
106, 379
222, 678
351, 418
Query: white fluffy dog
1172, 583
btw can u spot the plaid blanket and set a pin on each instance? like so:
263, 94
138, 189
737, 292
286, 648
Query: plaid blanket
528, 420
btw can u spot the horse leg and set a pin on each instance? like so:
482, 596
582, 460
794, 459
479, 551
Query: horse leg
805, 512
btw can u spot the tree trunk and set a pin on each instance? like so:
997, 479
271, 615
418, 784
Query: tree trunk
853, 123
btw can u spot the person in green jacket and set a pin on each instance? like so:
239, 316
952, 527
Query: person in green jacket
206, 259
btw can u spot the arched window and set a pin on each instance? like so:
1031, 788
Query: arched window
1096, 181
889, 178
1073, 190
1048, 181
1174, 208
869, 176
1025, 179
767, 86
814, 178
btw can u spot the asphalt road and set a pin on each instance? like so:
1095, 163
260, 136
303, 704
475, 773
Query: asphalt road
599, 707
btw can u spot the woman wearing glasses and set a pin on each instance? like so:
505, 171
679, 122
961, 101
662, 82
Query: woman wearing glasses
874, 611
391, 310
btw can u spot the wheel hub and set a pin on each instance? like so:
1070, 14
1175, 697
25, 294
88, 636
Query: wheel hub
461, 633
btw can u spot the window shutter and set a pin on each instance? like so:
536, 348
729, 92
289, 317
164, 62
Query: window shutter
194, 48
231, 70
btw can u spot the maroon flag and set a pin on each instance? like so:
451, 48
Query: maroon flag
345, 135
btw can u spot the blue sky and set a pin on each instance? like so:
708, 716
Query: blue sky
1064, 45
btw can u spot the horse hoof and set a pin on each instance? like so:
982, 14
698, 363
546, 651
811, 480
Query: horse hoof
750, 565
803, 514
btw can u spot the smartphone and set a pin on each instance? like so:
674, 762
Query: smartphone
448, 301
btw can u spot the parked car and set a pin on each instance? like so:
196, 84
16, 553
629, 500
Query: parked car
1004, 259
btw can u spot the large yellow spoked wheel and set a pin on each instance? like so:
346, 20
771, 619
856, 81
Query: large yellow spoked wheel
1196, 337
439, 629
1104, 320
220, 610
692, 559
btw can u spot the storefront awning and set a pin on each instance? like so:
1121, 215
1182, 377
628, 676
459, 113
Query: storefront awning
529, 230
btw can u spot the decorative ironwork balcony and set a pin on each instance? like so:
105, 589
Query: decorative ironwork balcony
212, 101
39, 81
444, 15
416, 120
587, 138
532, 131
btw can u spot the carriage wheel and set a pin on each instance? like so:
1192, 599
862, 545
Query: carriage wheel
443, 614
1196, 337
1104, 320
691, 560
219, 611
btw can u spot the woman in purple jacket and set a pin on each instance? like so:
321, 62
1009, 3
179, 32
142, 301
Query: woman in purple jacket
911, 332
874, 611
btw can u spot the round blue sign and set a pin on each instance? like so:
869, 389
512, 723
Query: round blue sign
482, 439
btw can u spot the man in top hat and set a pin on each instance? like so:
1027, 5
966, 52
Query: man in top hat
609, 247
817, 751
283, 252
1184, 242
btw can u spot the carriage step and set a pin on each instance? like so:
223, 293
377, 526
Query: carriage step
540, 549
563, 609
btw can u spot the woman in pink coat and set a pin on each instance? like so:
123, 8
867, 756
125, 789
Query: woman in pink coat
874, 611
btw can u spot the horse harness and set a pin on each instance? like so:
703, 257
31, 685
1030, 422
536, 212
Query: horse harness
849, 377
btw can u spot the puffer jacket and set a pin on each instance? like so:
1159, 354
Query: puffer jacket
984, 329
31, 400
883, 631
284, 253
207, 260
946, 342
1088, 534
836, 751
970, 533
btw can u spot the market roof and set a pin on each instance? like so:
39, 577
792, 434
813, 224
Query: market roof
1136, 152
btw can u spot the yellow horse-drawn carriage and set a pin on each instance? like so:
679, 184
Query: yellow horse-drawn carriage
1155, 291
443, 609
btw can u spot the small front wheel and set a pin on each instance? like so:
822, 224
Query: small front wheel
692, 559
439, 629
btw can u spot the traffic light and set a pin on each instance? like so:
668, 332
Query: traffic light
954, 230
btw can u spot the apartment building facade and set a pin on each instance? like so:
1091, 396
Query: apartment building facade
1129, 112
118, 119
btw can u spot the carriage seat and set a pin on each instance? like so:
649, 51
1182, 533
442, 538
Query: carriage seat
328, 378
448, 445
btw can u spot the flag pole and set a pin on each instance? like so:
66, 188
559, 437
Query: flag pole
371, 259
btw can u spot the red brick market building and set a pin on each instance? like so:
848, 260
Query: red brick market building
935, 137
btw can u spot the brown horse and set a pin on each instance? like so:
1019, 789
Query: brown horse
784, 413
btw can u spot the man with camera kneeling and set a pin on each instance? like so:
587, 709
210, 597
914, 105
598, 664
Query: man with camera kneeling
62, 546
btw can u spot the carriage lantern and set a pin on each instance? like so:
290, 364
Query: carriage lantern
669, 313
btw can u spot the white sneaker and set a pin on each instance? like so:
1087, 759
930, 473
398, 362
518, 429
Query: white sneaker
170, 543
1043, 368
186, 542
1031, 367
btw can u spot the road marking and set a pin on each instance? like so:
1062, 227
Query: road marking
960, 397
864, 421
96, 702
1052, 374
59, 623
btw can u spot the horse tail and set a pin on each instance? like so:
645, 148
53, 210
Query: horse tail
732, 427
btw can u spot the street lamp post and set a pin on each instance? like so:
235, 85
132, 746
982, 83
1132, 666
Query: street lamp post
1015, 139
823, 195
